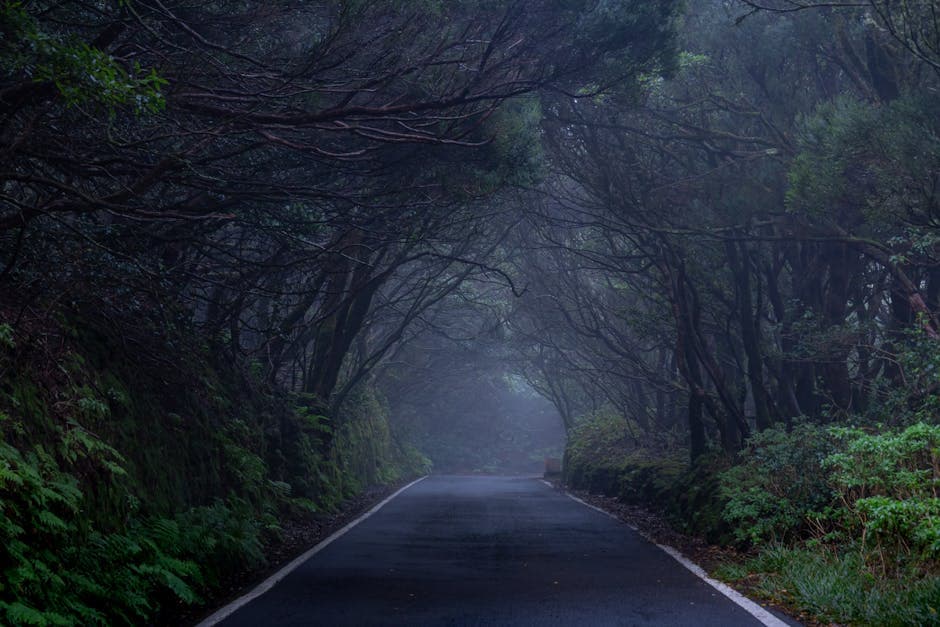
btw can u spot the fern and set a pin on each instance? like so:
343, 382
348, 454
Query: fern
50, 522
21, 614
83, 541
6, 336
78, 444
161, 573
75, 576
84, 614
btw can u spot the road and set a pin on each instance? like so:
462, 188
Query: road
490, 551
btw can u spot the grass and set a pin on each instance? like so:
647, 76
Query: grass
838, 587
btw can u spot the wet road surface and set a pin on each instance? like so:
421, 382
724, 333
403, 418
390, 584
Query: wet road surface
490, 551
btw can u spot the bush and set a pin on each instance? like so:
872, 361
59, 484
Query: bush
889, 483
695, 502
602, 457
128, 490
873, 559
778, 485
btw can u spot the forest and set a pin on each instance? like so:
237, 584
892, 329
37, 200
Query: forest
258, 256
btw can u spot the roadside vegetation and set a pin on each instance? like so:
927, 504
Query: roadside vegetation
130, 490
838, 523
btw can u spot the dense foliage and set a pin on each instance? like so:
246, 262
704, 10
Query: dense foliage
127, 490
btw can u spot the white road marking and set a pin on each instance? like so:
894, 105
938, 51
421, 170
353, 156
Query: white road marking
226, 611
752, 608
755, 610
594, 507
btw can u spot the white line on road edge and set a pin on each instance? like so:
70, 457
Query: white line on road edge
594, 507
742, 601
751, 607
226, 611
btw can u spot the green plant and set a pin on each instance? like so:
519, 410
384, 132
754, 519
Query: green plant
224, 537
777, 485
81, 73
837, 587
889, 482
7, 340
124, 496
58, 570
598, 448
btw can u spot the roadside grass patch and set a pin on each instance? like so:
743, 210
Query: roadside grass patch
838, 588
731, 572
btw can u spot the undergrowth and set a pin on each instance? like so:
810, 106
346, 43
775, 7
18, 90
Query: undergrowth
838, 587
841, 523
128, 491
602, 457
863, 542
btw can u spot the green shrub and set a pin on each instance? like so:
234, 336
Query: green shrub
778, 485
128, 490
414, 462
226, 537
878, 563
900, 464
695, 500
889, 482
602, 457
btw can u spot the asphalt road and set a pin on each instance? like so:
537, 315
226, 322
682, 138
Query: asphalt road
490, 551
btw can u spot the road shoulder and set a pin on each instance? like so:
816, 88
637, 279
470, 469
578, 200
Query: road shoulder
300, 538
693, 553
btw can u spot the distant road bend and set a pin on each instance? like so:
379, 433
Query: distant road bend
490, 551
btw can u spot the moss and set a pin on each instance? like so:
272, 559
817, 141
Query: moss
28, 409
601, 457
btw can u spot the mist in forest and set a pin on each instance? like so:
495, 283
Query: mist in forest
259, 260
